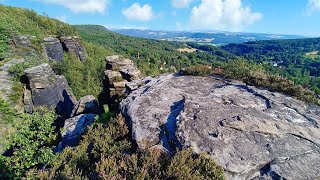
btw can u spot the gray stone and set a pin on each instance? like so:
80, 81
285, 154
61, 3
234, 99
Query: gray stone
252, 133
22, 40
87, 104
73, 129
113, 76
27, 101
53, 48
134, 85
125, 66
73, 44
50, 90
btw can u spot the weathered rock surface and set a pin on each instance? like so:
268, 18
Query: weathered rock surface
73, 129
72, 44
24, 41
53, 48
125, 66
50, 90
85, 105
122, 76
252, 133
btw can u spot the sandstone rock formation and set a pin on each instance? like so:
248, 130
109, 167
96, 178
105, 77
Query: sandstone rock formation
73, 128
50, 90
121, 76
125, 66
53, 48
253, 133
24, 41
86, 105
73, 44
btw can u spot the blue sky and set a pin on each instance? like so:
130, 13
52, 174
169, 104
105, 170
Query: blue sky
261, 16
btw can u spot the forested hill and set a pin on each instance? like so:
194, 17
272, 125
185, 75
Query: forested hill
152, 55
297, 59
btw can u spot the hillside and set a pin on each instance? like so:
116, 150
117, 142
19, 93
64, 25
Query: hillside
151, 55
291, 58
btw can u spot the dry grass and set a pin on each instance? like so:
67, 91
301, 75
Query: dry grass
187, 49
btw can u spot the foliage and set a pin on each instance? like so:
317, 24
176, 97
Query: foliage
84, 77
3, 43
197, 70
255, 75
104, 153
289, 58
7, 113
151, 56
30, 142
17, 21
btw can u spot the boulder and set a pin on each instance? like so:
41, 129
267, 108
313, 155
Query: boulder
27, 101
73, 44
24, 41
53, 48
125, 66
113, 76
87, 104
50, 90
121, 77
73, 129
252, 133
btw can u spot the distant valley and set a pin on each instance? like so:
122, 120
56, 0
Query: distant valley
212, 38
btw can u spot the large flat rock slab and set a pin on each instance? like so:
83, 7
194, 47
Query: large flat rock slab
253, 133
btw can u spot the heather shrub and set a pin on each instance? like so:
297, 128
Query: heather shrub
197, 70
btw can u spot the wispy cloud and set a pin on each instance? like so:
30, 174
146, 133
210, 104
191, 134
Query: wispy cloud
181, 3
78, 6
313, 6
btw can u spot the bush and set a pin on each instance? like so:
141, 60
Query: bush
7, 113
105, 153
30, 142
255, 75
197, 70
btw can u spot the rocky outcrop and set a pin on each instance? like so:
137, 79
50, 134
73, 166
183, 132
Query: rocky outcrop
253, 133
73, 44
24, 41
125, 66
121, 77
50, 90
53, 48
86, 105
73, 129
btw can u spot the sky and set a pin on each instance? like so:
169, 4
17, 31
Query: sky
299, 17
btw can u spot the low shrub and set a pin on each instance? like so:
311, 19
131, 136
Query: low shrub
197, 70
255, 75
105, 153
30, 142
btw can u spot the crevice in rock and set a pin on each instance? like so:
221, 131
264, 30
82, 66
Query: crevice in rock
301, 137
246, 88
168, 130
312, 121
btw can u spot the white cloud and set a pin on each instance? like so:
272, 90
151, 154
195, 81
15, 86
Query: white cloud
77, 6
313, 5
139, 13
62, 18
228, 15
181, 3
